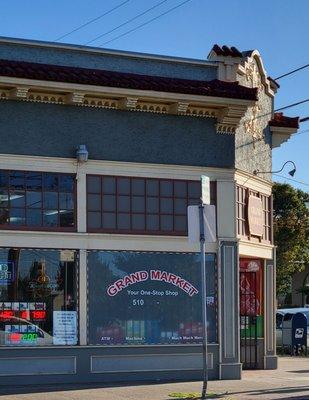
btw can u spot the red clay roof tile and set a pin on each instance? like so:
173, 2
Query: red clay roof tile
48, 72
281, 120
226, 51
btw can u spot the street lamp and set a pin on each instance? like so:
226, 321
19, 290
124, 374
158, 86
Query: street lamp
82, 153
292, 172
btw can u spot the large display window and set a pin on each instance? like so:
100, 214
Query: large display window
140, 298
38, 297
37, 200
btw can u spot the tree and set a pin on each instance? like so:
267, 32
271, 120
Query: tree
291, 233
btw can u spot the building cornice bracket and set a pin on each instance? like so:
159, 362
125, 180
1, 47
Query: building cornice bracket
128, 103
19, 92
179, 107
228, 118
75, 98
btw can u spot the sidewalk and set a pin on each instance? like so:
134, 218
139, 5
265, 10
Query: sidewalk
290, 381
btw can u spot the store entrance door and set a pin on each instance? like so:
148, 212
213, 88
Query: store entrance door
251, 320
248, 320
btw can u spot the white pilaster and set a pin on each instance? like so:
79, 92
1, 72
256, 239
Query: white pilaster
83, 297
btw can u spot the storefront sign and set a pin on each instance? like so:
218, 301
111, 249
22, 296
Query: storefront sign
153, 275
149, 298
255, 216
64, 328
67, 255
205, 189
210, 225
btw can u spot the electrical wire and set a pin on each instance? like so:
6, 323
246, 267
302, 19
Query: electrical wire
127, 22
292, 72
292, 105
271, 112
300, 132
145, 23
92, 20
293, 180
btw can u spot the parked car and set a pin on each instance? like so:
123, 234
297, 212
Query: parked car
279, 319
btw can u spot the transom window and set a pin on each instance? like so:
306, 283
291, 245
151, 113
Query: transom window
139, 205
37, 200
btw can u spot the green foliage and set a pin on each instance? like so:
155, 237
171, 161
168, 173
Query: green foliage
291, 233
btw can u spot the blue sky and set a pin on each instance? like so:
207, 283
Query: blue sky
278, 29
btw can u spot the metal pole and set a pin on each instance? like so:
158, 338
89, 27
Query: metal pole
204, 301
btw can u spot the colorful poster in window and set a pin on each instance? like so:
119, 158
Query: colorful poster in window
149, 298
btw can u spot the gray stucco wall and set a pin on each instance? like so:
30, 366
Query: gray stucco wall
253, 142
56, 131
87, 59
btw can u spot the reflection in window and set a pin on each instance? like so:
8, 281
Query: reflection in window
38, 297
140, 298
37, 199
141, 205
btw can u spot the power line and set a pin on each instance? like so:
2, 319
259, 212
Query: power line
92, 20
293, 180
145, 23
305, 119
292, 105
271, 112
127, 22
300, 132
292, 72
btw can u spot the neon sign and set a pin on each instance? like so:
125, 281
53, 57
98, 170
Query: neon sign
6, 315
153, 275
17, 338
38, 315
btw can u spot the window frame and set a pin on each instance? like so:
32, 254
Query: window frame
143, 196
41, 227
145, 345
242, 223
77, 298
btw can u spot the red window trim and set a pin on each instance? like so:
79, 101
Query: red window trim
145, 231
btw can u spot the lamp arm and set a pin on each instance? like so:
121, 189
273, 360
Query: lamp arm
275, 172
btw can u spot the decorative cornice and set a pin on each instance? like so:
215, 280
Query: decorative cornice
228, 118
252, 67
227, 111
280, 135
232, 63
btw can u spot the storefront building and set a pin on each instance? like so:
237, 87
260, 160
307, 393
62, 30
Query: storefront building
98, 281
